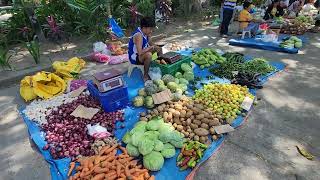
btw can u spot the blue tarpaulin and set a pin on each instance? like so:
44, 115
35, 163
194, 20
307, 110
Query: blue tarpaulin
169, 171
271, 46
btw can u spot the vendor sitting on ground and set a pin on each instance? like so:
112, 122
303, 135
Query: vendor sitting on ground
140, 47
274, 10
245, 19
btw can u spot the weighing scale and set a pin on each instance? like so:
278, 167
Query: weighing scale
171, 57
108, 80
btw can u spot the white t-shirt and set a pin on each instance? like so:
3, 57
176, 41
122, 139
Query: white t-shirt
309, 9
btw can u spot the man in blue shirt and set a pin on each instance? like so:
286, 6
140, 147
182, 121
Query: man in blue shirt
228, 8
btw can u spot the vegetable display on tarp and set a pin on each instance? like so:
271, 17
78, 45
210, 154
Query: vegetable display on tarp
298, 26
154, 140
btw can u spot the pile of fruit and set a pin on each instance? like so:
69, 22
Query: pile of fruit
189, 117
190, 154
115, 48
292, 42
207, 57
154, 140
178, 85
223, 99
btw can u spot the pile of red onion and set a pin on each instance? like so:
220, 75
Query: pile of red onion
67, 135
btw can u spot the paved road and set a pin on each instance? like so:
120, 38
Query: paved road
263, 148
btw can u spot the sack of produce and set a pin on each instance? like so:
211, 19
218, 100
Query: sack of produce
70, 69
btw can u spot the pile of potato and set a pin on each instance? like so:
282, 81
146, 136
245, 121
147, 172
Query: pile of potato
188, 117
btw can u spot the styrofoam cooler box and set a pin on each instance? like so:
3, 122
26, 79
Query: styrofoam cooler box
110, 101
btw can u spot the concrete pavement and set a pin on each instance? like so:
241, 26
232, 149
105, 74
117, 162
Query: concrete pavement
263, 148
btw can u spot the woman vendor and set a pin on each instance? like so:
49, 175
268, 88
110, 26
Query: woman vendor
274, 10
246, 20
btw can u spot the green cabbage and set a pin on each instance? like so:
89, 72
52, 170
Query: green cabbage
146, 146
189, 76
154, 124
162, 87
183, 87
127, 138
186, 67
178, 75
152, 135
176, 80
139, 128
168, 78
183, 81
136, 138
168, 153
172, 86
141, 123
138, 101
153, 161
158, 82
148, 101
142, 92
132, 150
177, 144
165, 128
168, 146
158, 145
166, 136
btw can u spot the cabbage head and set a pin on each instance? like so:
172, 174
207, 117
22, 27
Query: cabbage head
153, 161
136, 138
176, 80
183, 81
132, 150
177, 144
172, 86
138, 101
162, 87
138, 128
152, 135
167, 78
158, 82
165, 128
141, 123
186, 67
146, 146
165, 136
168, 153
127, 138
158, 145
168, 146
178, 75
148, 102
183, 87
189, 76
154, 124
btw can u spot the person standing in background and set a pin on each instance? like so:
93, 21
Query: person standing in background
228, 8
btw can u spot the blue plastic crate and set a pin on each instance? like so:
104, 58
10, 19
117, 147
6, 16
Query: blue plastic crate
110, 101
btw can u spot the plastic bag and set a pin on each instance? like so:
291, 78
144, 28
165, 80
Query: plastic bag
69, 70
76, 84
97, 131
100, 57
155, 73
43, 84
119, 59
115, 28
100, 47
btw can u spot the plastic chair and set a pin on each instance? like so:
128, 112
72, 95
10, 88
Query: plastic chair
132, 66
244, 32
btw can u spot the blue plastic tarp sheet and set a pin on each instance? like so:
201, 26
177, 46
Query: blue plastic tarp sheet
271, 46
115, 28
169, 171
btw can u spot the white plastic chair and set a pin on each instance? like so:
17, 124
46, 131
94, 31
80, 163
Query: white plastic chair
244, 32
132, 66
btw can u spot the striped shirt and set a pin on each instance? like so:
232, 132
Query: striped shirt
229, 4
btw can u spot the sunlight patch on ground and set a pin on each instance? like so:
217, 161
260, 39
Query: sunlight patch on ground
9, 117
248, 173
290, 63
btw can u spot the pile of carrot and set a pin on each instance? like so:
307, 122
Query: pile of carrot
109, 166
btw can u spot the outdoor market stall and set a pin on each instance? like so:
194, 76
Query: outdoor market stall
161, 137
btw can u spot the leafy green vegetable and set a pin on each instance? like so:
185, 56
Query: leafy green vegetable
138, 128
154, 124
189, 76
186, 67
146, 146
178, 75
167, 78
148, 102
177, 144
158, 82
153, 161
168, 153
183, 81
165, 128
168, 146
172, 86
153, 135
127, 138
158, 145
136, 138
132, 150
